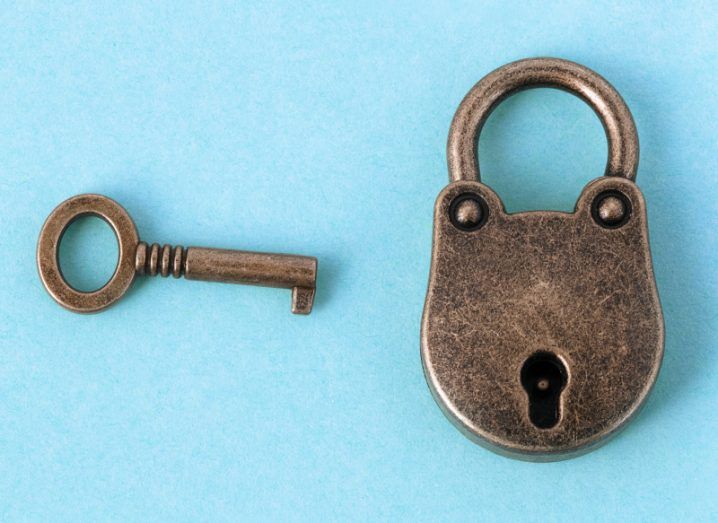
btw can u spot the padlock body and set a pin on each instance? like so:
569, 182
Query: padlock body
537, 284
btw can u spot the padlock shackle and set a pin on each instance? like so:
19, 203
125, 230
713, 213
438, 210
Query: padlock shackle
462, 148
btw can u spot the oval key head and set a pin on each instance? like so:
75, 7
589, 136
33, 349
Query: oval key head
542, 332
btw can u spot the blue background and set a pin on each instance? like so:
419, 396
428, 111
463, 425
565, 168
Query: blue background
321, 129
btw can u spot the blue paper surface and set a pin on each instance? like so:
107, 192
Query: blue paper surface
320, 129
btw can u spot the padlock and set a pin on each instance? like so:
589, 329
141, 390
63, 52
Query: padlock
542, 332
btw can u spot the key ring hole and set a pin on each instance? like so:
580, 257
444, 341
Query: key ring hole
88, 253
48, 252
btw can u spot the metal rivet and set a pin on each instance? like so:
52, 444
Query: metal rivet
468, 212
611, 209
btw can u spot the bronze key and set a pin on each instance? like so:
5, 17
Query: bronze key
298, 273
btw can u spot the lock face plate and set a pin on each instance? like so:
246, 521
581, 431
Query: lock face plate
578, 297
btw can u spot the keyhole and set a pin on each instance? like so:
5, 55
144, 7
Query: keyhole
544, 376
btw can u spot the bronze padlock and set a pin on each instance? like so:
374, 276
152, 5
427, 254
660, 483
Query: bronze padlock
542, 332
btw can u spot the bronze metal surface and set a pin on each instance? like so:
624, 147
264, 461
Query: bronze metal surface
298, 273
476, 107
542, 332
49, 243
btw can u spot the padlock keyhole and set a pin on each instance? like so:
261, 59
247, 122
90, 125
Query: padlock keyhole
543, 377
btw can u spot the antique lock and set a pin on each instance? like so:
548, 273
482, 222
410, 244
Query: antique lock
542, 332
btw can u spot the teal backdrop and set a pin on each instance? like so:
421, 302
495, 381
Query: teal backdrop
320, 129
